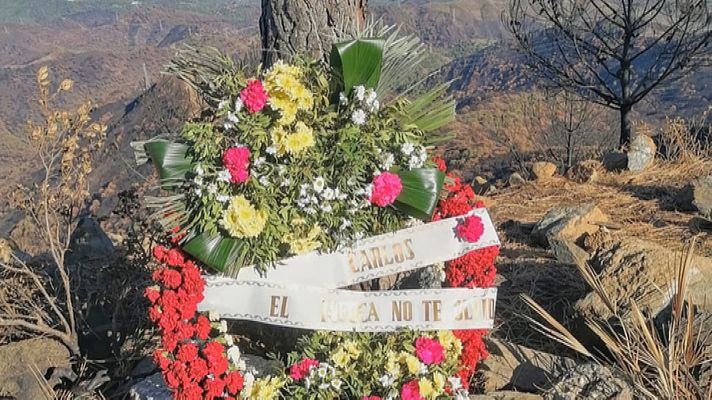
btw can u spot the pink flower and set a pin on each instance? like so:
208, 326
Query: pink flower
411, 391
301, 369
254, 96
471, 229
386, 188
236, 160
430, 351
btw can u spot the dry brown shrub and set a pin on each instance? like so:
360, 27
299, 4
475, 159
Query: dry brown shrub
686, 140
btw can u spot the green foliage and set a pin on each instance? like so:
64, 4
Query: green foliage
357, 62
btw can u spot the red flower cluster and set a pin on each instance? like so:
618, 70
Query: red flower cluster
254, 96
301, 369
193, 367
237, 160
474, 269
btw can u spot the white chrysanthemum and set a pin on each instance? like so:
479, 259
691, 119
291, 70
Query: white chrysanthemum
326, 207
199, 170
224, 176
345, 223
285, 182
213, 189
310, 210
328, 194
386, 380
232, 117
423, 369
462, 394
213, 315
343, 100
358, 235
229, 340
198, 180
319, 184
198, 191
387, 161
271, 150
259, 161
222, 198
238, 105
374, 107
234, 354
223, 326
264, 181
248, 382
407, 148
222, 104
360, 92
358, 117
336, 383
228, 126
455, 382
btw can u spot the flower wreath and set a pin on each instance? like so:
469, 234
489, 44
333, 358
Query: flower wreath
296, 159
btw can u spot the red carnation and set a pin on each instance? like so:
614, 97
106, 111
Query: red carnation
440, 163
187, 352
159, 253
175, 258
152, 294
171, 278
235, 382
254, 96
198, 369
202, 328
214, 387
471, 229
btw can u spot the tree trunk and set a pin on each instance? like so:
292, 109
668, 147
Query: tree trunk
308, 27
626, 125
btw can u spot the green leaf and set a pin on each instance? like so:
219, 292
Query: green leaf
170, 159
421, 192
432, 110
215, 251
357, 62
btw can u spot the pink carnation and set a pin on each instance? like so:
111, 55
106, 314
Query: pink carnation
301, 369
254, 96
471, 229
236, 160
430, 351
386, 188
411, 391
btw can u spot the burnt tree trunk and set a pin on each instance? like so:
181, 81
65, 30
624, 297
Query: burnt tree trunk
306, 26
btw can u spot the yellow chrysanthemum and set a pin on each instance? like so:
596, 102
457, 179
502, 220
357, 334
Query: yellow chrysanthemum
450, 342
340, 358
265, 388
425, 387
352, 348
411, 362
287, 93
302, 245
241, 219
297, 142
392, 366
438, 382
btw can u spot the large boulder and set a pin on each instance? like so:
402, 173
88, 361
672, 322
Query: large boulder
636, 270
513, 366
516, 180
89, 243
615, 161
24, 360
543, 170
590, 381
562, 229
641, 153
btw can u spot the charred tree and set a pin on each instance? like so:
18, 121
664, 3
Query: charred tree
612, 52
306, 26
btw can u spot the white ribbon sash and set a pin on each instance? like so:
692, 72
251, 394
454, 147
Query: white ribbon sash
347, 310
302, 291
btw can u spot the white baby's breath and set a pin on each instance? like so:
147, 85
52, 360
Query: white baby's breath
358, 117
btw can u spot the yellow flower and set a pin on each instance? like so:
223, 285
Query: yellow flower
450, 342
439, 382
392, 366
340, 358
411, 362
352, 348
287, 94
305, 244
425, 387
242, 219
265, 388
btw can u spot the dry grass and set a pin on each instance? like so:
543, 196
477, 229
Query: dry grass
660, 362
642, 204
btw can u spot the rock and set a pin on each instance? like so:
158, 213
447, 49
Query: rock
513, 366
89, 243
589, 381
543, 170
150, 388
506, 395
17, 378
615, 161
585, 171
481, 186
697, 196
642, 271
641, 153
562, 228
516, 180
145, 367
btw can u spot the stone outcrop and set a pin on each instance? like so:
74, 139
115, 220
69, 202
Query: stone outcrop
543, 170
641, 153
590, 381
25, 362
